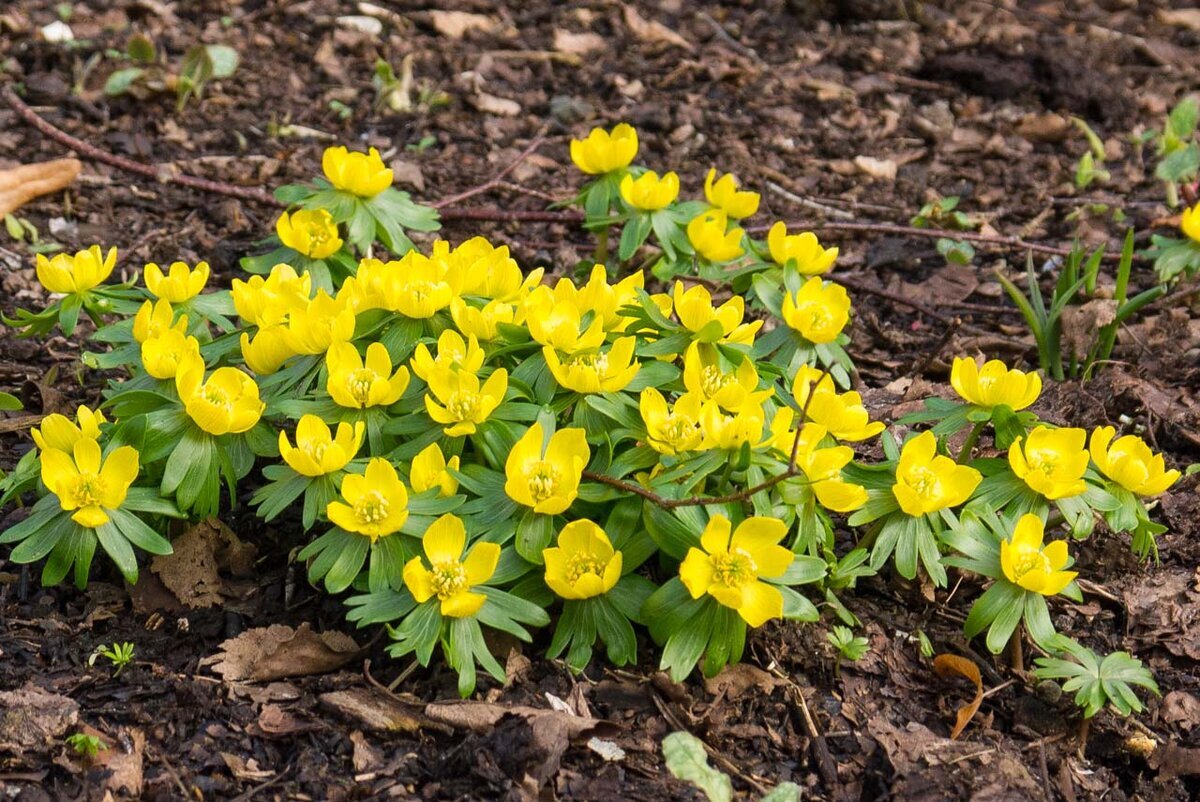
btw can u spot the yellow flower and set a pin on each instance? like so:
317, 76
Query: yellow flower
695, 309
1032, 566
375, 503
595, 371
843, 415
819, 311
418, 287
79, 273
180, 283
708, 236
372, 286
705, 375
453, 353
994, 384
268, 350
674, 429
269, 301
356, 384
1189, 223
480, 269
723, 194
482, 324
1051, 461
430, 469
59, 432
162, 355
317, 451
804, 249
152, 320
462, 404
603, 152
85, 485
729, 567
1130, 463
648, 192
927, 481
605, 300
311, 232
545, 475
227, 403
554, 317
450, 576
821, 465
583, 564
361, 174
730, 432
323, 321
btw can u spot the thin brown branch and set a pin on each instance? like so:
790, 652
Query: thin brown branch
495, 180
495, 215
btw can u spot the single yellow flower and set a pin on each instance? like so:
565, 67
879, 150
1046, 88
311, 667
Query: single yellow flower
311, 232
483, 323
449, 575
1130, 463
695, 309
323, 321
819, 311
180, 283
708, 236
87, 485
843, 415
927, 481
361, 174
78, 273
723, 194
480, 269
162, 355
648, 192
994, 384
706, 374
803, 249
674, 429
268, 350
357, 384
375, 504
605, 300
227, 403
1031, 565
595, 371
60, 432
430, 469
317, 451
373, 285
731, 432
462, 404
1051, 461
453, 353
1189, 223
554, 317
583, 564
152, 319
545, 475
603, 152
821, 465
730, 567
418, 288
269, 301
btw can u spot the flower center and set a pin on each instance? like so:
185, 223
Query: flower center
359, 383
217, 396
372, 508
712, 380
463, 405
1031, 562
87, 490
924, 482
449, 579
543, 480
594, 362
1043, 461
318, 235
733, 568
316, 449
677, 427
581, 564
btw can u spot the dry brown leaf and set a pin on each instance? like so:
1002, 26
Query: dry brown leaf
953, 665
19, 185
454, 24
1172, 760
121, 767
33, 718
483, 717
376, 711
652, 30
1182, 708
245, 769
1185, 17
193, 570
278, 651
1081, 324
274, 720
578, 43
738, 678
365, 757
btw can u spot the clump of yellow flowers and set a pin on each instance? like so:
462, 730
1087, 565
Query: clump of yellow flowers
479, 446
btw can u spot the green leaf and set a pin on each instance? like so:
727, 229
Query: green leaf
534, 533
784, 792
224, 60
120, 81
686, 759
119, 550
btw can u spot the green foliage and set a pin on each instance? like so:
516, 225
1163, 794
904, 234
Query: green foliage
1095, 681
119, 654
687, 760
85, 745
849, 646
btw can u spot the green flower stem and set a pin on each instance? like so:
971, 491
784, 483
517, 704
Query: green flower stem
1016, 650
602, 246
968, 445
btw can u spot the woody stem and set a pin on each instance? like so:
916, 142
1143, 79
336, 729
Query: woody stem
968, 445
1016, 650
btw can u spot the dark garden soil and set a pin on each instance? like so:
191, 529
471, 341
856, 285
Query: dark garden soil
855, 112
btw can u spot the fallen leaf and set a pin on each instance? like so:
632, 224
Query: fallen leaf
376, 711
1171, 760
278, 651
952, 664
193, 570
408, 173
245, 768
31, 718
652, 30
884, 169
1181, 708
1081, 324
120, 769
19, 185
578, 43
1185, 17
454, 24
274, 720
484, 716
365, 757
739, 678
